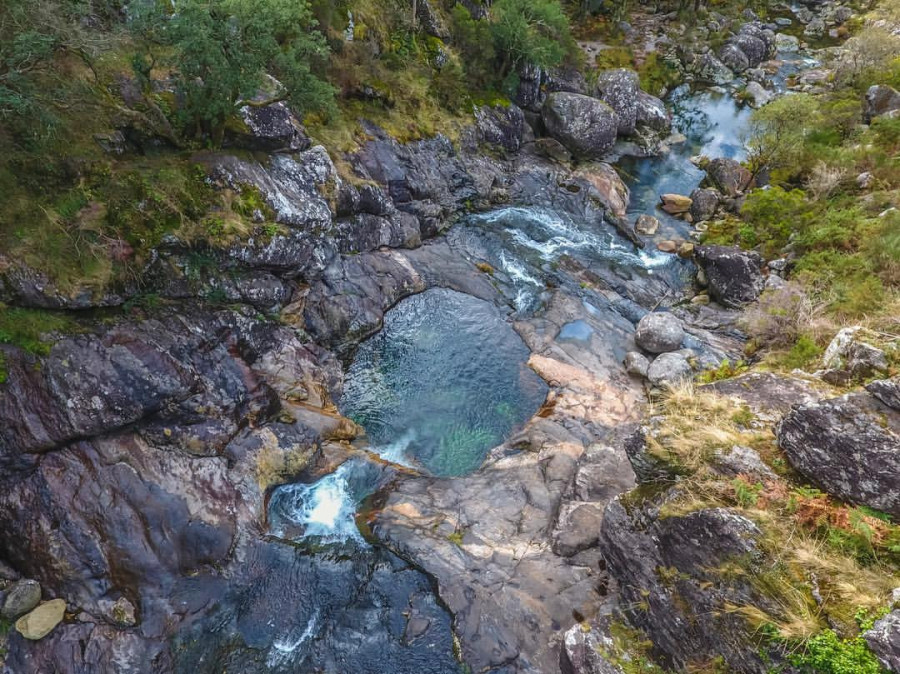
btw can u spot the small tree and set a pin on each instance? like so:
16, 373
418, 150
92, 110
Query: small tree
778, 133
223, 49
535, 32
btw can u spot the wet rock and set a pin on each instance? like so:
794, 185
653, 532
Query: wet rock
734, 276
270, 128
666, 569
658, 332
669, 369
646, 224
619, 89
586, 126
636, 364
881, 100
675, 204
42, 620
887, 391
651, 112
884, 640
704, 202
686, 250
850, 446
21, 597
727, 175
607, 186
502, 126
667, 246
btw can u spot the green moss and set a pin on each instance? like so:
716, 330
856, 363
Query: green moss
28, 328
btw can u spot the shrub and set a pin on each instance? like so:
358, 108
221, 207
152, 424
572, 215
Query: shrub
827, 653
804, 351
823, 180
534, 32
773, 216
780, 316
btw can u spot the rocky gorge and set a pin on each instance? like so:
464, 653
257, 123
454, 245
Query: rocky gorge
216, 484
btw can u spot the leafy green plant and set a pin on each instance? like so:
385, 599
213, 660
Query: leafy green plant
827, 653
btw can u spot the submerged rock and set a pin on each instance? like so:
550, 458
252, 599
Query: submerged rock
585, 125
646, 224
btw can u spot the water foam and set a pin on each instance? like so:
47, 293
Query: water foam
325, 509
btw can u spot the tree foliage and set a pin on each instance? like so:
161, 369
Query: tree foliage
222, 50
534, 32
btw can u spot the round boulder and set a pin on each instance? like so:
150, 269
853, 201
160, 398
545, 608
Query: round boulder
651, 112
585, 126
22, 596
668, 369
659, 332
619, 89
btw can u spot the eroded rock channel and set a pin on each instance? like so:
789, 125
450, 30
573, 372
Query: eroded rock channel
409, 476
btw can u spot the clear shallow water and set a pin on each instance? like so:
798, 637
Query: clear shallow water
714, 124
444, 381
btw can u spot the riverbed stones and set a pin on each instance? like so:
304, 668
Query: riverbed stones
849, 446
619, 88
658, 332
646, 224
21, 597
734, 276
586, 126
675, 204
42, 620
669, 369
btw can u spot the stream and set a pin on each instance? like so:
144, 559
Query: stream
444, 382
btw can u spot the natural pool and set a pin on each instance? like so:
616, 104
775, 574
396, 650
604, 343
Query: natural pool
444, 381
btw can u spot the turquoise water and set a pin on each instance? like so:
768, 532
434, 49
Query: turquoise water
444, 382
